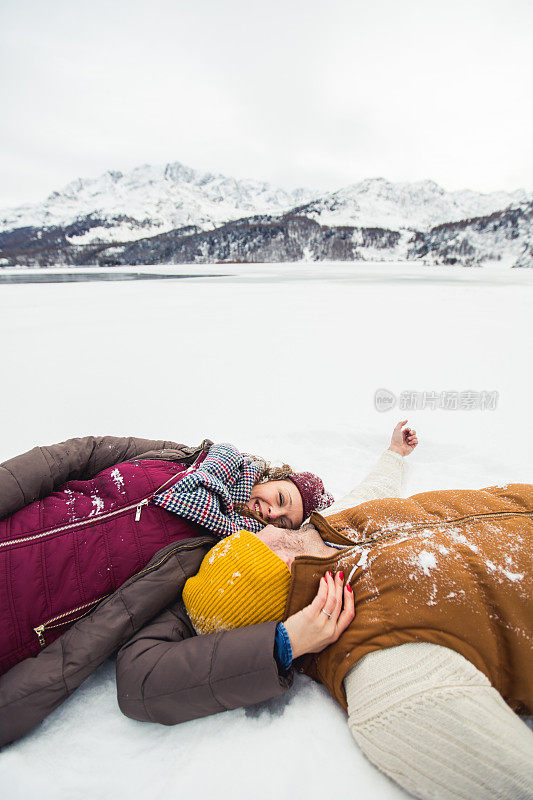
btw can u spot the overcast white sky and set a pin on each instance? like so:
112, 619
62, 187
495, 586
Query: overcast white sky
296, 92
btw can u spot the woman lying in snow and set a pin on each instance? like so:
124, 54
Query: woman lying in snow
96, 536
438, 656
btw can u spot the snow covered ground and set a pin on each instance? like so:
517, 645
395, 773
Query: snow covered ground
283, 361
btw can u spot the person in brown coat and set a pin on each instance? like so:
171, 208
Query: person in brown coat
436, 666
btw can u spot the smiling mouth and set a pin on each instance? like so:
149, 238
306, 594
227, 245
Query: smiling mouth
258, 509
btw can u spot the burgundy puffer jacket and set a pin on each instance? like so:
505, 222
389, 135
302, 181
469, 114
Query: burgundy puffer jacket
144, 619
62, 555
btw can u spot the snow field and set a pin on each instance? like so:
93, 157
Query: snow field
282, 361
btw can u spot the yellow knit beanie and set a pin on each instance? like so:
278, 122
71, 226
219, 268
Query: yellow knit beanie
240, 582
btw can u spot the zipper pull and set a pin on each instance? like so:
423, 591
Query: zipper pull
39, 630
139, 509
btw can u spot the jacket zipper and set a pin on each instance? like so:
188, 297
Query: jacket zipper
398, 531
40, 629
139, 505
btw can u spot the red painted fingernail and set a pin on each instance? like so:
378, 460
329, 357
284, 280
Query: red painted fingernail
330, 573
341, 575
349, 587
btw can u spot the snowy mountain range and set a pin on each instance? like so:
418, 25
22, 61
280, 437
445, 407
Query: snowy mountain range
419, 206
152, 199
174, 214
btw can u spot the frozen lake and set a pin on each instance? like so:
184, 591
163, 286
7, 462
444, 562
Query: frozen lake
282, 360
340, 271
80, 276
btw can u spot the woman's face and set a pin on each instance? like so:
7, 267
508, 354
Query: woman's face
278, 501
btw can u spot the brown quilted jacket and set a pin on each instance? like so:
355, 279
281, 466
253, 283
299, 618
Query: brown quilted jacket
165, 673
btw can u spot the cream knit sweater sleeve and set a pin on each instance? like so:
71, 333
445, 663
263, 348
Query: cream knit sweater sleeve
432, 722
385, 480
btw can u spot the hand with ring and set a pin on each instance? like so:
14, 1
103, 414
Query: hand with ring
321, 622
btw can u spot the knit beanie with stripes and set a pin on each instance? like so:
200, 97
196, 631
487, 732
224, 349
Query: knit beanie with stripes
240, 582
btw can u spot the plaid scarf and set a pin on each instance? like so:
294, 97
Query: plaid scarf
207, 495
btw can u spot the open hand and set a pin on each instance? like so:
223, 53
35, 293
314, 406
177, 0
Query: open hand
321, 622
403, 442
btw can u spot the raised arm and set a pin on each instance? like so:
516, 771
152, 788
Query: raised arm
385, 480
42, 470
433, 723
